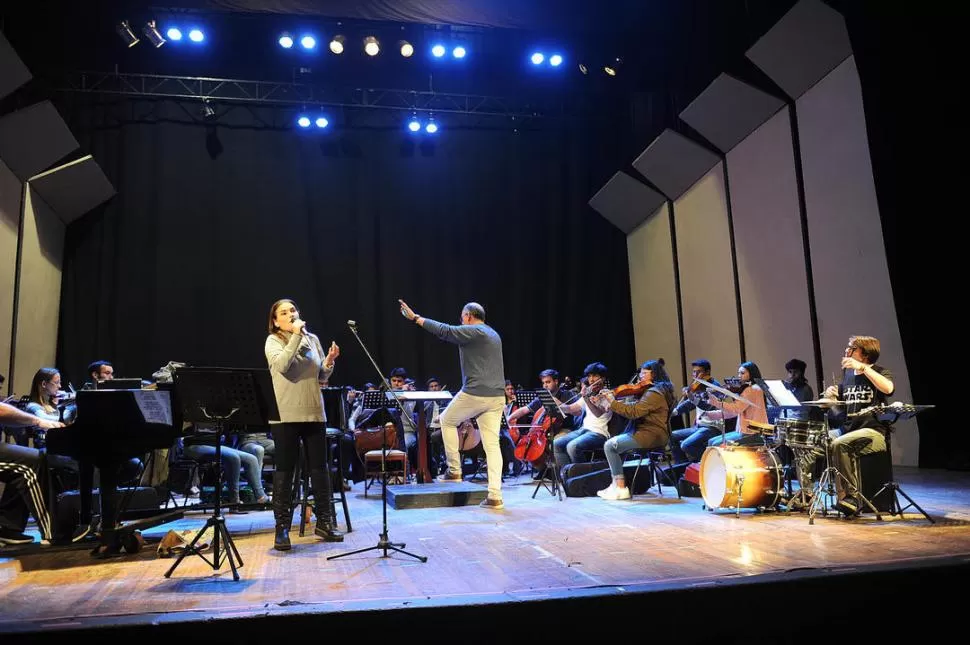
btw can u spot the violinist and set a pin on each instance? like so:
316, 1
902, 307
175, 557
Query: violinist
746, 387
652, 430
45, 397
689, 444
577, 444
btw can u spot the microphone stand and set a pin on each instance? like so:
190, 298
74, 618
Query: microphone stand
383, 540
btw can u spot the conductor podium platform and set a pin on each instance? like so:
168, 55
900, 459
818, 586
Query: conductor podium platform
435, 495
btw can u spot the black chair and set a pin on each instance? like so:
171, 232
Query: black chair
656, 458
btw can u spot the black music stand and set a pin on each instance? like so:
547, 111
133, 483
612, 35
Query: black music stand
891, 416
389, 398
218, 395
549, 456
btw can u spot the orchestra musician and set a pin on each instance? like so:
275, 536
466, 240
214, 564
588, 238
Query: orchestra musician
297, 364
549, 378
689, 444
573, 445
749, 390
98, 371
651, 413
481, 395
864, 384
20, 472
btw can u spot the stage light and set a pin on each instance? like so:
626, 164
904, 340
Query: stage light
207, 110
308, 42
610, 71
407, 49
153, 35
337, 44
555, 60
174, 33
458, 52
127, 35
371, 46
286, 40
414, 125
196, 36
322, 122
431, 127
583, 69
438, 51
303, 121
537, 58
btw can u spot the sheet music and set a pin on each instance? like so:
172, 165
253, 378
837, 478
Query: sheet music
155, 405
782, 395
408, 395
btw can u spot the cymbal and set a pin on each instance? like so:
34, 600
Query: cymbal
717, 388
823, 403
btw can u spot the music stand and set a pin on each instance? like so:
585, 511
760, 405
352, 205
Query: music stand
216, 395
891, 414
549, 457
389, 397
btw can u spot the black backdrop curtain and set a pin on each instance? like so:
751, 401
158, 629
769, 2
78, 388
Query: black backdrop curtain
212, 224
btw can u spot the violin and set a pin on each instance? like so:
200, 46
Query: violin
631, 389
735, 384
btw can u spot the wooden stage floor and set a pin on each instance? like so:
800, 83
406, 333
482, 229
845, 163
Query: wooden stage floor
534, 549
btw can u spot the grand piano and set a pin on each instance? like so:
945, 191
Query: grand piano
111, 427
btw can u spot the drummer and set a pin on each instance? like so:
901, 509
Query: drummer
748, 406
864, 384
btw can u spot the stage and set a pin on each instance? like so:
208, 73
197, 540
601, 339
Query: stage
487, 561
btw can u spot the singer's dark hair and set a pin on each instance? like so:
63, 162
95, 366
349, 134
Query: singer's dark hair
271, 327
37, 392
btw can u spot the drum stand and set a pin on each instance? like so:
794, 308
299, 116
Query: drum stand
803, 498
826, 486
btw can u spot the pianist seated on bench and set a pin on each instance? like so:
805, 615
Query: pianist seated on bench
201, 446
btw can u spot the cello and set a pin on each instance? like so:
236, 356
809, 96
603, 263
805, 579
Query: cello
532, 444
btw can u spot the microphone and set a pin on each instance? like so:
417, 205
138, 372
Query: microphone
352, 324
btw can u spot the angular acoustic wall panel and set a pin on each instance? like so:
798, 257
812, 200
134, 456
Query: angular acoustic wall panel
626, 202
653, 294
34, 139
13, 72
673, 163
11, 192
728, 110
806, 44
74, 188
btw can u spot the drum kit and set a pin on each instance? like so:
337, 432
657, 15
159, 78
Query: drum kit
753, 476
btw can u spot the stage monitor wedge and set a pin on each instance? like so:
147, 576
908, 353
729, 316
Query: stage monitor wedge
673, 163
728, 110
626, 202
13, 72
34, 139
806, 44
73, 189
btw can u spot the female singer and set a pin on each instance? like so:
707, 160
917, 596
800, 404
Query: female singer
298, 363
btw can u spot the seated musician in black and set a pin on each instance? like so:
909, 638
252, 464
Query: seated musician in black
864, 384
550, 382
21, 473
689, 444
98, 371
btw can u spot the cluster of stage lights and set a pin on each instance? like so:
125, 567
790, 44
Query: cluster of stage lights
371, 45
416, 126
174, 33
304, 121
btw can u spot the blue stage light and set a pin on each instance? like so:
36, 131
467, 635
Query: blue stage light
308, 42
555, 60
458, 52
431, 128
286, 41
537, 58
414, 125
322, 122
438, 51
303, 122
174, 34
196, 36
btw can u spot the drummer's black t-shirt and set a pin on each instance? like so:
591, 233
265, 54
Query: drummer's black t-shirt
858, 392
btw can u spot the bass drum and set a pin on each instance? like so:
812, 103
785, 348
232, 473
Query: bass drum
756, 469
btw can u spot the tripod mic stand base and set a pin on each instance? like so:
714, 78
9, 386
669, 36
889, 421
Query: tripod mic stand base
892, 488
383, 544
